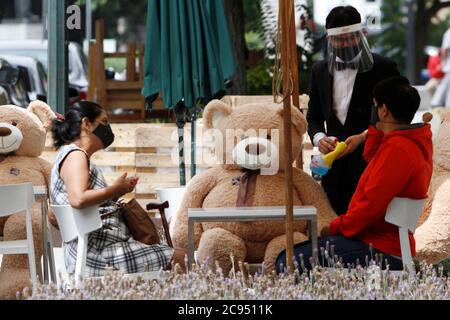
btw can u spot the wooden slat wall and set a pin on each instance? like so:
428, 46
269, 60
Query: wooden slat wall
145, 150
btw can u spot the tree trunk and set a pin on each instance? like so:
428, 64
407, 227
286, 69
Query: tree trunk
234, 10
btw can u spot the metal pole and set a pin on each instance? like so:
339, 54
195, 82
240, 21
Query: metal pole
180, 110
193, 141
411, 52
57, 78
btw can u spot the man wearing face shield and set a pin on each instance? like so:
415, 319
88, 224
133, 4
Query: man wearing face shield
341, 100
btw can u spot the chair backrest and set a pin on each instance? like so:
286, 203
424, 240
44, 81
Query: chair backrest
404, 212
425, 97
173, 196
76, 222
15, 198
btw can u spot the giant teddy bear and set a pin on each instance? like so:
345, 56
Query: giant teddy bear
22, 136
237, 182
433, 234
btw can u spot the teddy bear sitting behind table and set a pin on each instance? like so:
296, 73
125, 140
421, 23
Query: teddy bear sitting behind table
251, 174
22, 140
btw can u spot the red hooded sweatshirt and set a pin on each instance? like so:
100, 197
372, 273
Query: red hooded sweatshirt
400, 164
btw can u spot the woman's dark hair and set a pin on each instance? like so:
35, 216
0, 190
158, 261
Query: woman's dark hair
69, 129
342, 16
401, 99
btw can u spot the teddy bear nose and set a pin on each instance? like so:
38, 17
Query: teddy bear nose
255, 149
4, 132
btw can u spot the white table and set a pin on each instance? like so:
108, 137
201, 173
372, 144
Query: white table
249, 214
40, 193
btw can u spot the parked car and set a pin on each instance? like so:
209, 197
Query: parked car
13, 81
77, 62
36, 78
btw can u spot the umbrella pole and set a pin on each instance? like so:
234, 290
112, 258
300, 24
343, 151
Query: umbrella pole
180, 115
193, 141
286, 8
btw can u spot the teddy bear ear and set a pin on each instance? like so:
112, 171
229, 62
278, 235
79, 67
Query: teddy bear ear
297, 119
214, 112
43, 112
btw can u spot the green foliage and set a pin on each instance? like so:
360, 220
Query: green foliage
117, 64
393, 39
252, 10
259, 81
254, 41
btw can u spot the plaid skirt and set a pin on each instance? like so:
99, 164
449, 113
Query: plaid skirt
113, 246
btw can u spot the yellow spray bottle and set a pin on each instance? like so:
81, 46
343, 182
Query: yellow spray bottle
320, 164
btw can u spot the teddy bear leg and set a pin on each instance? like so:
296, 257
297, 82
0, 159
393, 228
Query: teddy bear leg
14, 274
276, 246
219, 244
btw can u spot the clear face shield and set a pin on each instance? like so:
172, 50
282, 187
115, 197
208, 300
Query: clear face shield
348, 49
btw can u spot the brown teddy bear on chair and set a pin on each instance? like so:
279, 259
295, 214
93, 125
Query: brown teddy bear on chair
22, 136
251, 173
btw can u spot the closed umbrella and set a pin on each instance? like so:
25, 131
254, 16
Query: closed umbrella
188, 58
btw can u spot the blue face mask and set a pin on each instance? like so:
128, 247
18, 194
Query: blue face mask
105, 134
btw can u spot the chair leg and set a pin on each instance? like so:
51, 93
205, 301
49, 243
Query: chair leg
50, 256
406, 250
81, 258
31, 255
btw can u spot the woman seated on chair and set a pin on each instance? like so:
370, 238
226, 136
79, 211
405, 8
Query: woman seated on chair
399, 157
77, 182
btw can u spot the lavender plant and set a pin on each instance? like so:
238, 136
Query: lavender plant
205, 282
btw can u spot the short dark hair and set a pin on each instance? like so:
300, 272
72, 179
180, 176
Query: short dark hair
342, 16
70, 129
401, 99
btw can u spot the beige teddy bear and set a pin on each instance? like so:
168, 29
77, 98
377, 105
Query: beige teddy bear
236, 183
433, 234
22, 136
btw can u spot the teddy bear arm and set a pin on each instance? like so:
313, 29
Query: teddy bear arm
311, 193
196, 191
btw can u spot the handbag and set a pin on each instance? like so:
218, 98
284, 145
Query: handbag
139, 223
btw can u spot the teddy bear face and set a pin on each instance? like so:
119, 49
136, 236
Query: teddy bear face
23, 131
251, 136
442, 144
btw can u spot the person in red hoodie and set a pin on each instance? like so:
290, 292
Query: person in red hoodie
399, 156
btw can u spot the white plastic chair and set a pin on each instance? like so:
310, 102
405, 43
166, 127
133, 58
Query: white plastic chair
14, 199
74, 223
404, 213
173, 196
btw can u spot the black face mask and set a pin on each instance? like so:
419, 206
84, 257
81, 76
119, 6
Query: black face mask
348, 53
105, 134
374, 118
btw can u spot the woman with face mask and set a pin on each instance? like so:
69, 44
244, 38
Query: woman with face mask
77, 182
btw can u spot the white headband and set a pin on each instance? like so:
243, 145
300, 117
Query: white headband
344, 30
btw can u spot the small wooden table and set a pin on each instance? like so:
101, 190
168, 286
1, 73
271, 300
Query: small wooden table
249, 214
40, 193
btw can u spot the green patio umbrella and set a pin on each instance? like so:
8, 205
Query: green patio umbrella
188, 58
